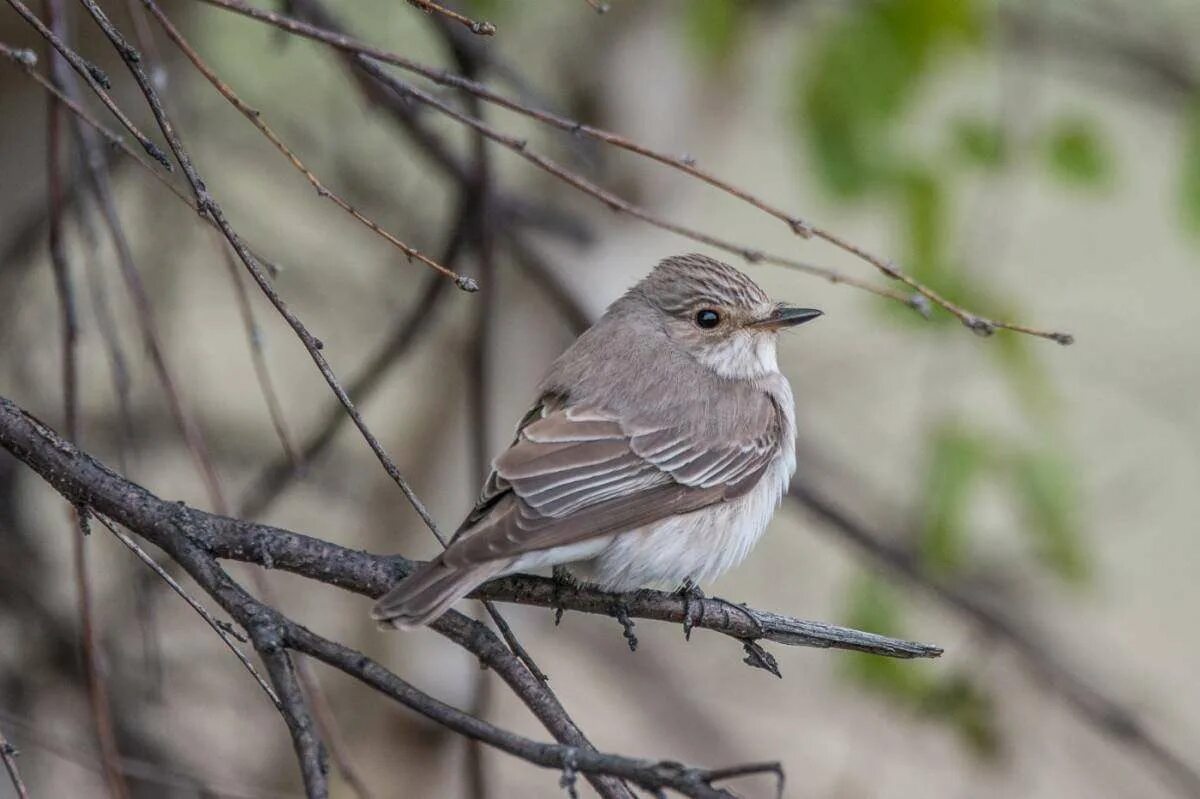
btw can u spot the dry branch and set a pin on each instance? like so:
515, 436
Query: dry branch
195, 540
920, 299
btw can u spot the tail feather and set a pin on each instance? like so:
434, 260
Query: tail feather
428, 592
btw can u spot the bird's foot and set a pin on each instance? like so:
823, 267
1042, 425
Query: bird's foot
690, 592
621, 613
563, 580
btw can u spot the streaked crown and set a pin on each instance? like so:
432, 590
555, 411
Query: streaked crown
682, 282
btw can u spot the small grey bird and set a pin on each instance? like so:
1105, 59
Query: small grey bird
658, 449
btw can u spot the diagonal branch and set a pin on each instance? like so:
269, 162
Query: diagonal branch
195, 540
82, 478
329, 34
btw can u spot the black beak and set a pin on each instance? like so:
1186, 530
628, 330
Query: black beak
788, 316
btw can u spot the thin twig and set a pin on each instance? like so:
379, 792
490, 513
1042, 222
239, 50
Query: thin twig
351, 45
481, 28
118, 363
145, 317
26, 59
97, 688
8, 754
269, 642
254, 339
920, 299
275, 477
96, 79
209, 206
172, 780
192, 538
223, 630
98, 698
255, 116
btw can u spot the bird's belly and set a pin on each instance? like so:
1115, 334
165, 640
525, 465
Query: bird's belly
699, 546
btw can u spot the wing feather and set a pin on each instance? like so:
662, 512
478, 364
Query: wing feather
574, 473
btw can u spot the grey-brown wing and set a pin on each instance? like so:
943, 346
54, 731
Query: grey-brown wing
575, 473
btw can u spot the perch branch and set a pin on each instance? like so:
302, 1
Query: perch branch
195, 539
82, 478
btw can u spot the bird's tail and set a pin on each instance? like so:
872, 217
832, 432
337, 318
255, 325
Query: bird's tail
429, 592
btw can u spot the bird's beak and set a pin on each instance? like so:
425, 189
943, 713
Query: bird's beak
787, 316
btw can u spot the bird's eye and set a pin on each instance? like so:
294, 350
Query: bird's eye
707, 318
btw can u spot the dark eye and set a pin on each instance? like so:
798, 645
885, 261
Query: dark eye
707, 318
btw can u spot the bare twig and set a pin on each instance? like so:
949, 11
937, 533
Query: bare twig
144, 771
97, 688
254, 338
274, 478
255, 116
223, 630
920, 299
95, 78
194, 538
1093, 706
350, 45
209, 207
79, 475
481, 28
8, 754
98, 698
268, 640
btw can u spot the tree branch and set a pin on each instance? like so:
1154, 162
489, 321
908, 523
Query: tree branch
195, 539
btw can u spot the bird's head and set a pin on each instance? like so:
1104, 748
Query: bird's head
718, 315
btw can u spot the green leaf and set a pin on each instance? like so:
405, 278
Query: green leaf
957, 460
1191, 171
714, 27
1077, 154
1044, 483
980, 143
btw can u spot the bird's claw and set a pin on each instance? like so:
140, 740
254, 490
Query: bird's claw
690, 592
621, 612
563, 579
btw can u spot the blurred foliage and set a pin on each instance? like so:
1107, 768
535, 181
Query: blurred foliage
714, 27
958, 459
1076, 153
863, 74
1044, 486
857, 84
955, 698
980, 142
1191, 170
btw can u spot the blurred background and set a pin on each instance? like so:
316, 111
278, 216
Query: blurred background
1030, 507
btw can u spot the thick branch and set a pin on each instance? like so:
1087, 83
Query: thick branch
82, 479
194, 539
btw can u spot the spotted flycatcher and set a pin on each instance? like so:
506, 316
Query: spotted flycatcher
658, 449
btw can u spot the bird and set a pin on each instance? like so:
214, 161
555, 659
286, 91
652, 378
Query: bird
657, 450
